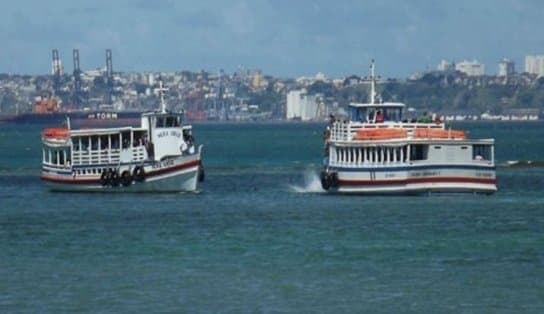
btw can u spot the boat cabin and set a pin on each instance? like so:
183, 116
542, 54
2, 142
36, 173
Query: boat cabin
376, 113
414, 152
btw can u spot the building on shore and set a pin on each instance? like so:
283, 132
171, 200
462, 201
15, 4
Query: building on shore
304, 107
534, 65
506, 68
445, 66
470, 68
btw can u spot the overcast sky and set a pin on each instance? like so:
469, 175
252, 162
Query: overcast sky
282, 38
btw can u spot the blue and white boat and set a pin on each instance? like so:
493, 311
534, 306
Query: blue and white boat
376, 151
158, 156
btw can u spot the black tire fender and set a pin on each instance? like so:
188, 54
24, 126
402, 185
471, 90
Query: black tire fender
325, 180
105, 177
126, 178
114, 178
139, 174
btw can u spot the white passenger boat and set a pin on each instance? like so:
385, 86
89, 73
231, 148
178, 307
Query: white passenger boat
158, 156
377, 152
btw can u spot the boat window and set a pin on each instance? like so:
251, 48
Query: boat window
104, 142
481, 152
138, 139
126, 139
76, 143
61, 157
393, 114
160, 122
419, 152
84, 143
438, 147
54, 157
170, 122
357, 114
115, 141
94, 142
464, 147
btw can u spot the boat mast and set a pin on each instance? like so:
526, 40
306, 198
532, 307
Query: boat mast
372, 83
161, 91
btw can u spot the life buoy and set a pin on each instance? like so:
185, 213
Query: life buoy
105, 177
325, 180
333, 177
55, 133
126, 178
114, 178
139, 174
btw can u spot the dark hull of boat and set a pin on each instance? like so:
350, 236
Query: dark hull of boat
81, 119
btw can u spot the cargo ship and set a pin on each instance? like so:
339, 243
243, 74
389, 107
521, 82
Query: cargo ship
46, 111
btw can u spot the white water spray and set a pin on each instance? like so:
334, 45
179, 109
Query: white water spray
311, 183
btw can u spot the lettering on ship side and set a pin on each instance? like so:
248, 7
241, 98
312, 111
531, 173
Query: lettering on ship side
484, 174
418, 174
162, 164
173, 133
103, 115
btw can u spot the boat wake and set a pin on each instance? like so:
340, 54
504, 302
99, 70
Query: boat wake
524, 164
311, 183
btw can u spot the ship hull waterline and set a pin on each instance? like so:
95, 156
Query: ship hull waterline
443, 181
180, 175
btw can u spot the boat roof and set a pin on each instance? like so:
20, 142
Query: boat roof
103, 131
378, 105
160, 113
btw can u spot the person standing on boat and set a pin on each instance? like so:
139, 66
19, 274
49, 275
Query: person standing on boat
424, 119
379, 116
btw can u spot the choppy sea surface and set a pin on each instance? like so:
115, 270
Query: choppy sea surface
260, 236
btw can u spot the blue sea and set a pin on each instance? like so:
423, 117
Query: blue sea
261, 237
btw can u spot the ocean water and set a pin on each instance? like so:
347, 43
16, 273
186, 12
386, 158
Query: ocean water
260, 236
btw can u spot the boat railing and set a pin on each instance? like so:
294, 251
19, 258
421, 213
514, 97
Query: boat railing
346, 130
106, 156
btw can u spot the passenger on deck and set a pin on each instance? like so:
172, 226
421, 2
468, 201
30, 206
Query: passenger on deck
370, 117
425, 118
332, 119
379, 116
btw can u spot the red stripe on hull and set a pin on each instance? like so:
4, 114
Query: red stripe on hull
176, 168
73, 180
415, 181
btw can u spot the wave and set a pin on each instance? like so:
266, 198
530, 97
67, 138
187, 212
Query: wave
523, 164
311, 183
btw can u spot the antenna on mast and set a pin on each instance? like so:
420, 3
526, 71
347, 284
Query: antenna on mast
372, 83
161, 91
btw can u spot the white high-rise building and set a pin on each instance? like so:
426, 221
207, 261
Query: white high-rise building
506, 67
445, 66
471, 68
301, 106
534, 65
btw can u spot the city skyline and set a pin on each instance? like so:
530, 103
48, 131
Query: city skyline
280, 38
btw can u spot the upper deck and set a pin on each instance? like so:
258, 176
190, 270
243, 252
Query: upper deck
346, 130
